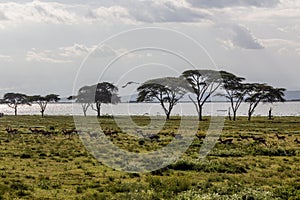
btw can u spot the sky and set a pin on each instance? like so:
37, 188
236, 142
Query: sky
57, 46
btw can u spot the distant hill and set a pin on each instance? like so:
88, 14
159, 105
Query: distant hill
292, 95
133, 98
289, 96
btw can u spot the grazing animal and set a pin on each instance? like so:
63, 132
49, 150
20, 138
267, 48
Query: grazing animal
153, 137
260, 140
226, 141
11, 131
244, 137
111, 132
280, 137
46, 133
69, 132
297, 141
34, 130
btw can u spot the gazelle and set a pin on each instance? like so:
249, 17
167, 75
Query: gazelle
226, 141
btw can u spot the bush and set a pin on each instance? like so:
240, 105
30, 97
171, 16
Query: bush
209, 167
288, 192
246, 194
25, 156
273, 152
169, 185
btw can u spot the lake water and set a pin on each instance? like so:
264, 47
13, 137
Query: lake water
279, 109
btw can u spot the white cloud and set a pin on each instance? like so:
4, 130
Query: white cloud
283, 46
239, 37
71, 53
233, 3
80, 51
74, 51
151, 11
45, 56
37, 11
114, 13
58, 13
5, 58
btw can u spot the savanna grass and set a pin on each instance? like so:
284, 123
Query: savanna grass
35, 166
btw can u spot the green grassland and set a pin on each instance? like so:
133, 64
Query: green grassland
35, 166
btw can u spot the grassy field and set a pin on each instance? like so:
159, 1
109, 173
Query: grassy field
38, 166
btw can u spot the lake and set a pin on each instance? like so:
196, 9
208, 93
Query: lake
279, 109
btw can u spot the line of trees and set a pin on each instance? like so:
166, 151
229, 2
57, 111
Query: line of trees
199, 85
203, 84
14, 100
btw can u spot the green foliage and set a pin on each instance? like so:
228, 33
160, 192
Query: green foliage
167, 91
13, 100
97, 94
203, 84
58, 167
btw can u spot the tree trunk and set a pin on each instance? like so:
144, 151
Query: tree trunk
200, 113
16, 111
98, 109
229, 114
234, 115
249, 116
270, 114
168, 115
42, 111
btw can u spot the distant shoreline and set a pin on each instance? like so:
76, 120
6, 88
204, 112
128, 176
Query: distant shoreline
296, 100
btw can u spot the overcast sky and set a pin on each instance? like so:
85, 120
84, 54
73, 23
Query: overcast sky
44, 43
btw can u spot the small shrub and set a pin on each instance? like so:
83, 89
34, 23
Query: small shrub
134, 175
25, 156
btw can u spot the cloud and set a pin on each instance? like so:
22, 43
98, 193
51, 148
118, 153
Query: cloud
233, 3
149, 11
165, 11
37, 11
2, 16
113, 13
69, 54
5, 58
44, 57
59, 13
77, 50
239, 36
283, 46
80, 51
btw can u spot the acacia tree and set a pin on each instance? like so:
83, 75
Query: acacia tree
43, 101
258, 93
13, 100
235, 90
167, 91
86, 97
203, 83
104, 92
